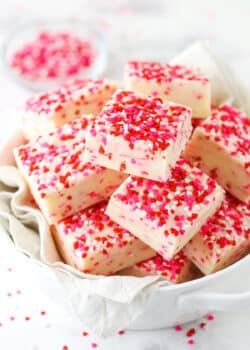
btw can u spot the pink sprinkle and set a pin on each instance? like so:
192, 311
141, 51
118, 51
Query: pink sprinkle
190, 341
210, 317
94, 345
12, 318
199, 96
178, 328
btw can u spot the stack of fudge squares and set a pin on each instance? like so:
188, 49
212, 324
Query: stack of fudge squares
144, 180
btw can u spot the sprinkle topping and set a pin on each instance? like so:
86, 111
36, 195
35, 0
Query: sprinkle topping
93, 230
175, 203
230, 128
56, 161
78, 91
139, 119
229, 226
162, 73
170, 268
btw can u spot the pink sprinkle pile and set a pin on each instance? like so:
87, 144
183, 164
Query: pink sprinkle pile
52, 55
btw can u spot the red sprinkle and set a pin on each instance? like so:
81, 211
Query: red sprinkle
52, 55
65, 347
85, 334
43, 313
178, 328
121, 332
203, 325
190, 332
27, 318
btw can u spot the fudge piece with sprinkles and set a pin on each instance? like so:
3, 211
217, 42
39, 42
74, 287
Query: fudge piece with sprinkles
220, 146
139, 136
60, 180
91, 242
172, 83
166, 215
52, 109
224, 239
177, 270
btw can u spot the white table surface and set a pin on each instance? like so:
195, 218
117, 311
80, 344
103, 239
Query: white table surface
180, 23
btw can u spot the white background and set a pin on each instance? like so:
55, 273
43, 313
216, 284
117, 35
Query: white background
135, 29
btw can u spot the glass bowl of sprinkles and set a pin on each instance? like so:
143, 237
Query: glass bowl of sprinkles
41, 54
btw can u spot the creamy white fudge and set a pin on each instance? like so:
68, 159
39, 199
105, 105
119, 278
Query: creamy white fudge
224, 239
220, 146
166, 215
91, 242
139, 136
179, 269
61, 181
52, 109
171, 83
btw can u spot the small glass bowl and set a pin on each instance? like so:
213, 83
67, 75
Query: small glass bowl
28, 31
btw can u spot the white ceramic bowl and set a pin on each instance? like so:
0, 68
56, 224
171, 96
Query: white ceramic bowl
228, 289
225, 290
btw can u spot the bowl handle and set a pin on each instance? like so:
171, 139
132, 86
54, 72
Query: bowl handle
208, 301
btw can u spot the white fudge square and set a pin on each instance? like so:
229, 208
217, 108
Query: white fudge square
166, 215
48, 110
224, 239
61, 181
220, 146
139, 136
171, 83
179, 269
91, 242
